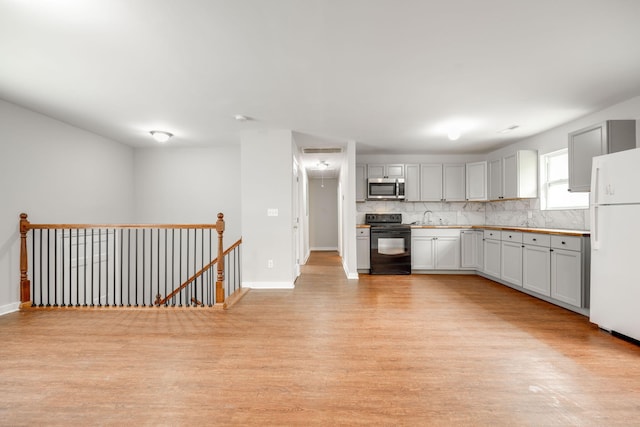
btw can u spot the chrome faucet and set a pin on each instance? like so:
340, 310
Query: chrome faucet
428, 216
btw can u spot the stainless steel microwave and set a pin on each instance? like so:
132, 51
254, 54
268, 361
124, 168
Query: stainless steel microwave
385, 189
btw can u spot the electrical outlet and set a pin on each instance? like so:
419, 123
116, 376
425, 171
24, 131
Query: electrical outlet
270, 263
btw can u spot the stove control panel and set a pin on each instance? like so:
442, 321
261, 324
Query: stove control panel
383, 218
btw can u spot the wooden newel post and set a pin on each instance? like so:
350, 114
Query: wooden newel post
220, 278
25, 285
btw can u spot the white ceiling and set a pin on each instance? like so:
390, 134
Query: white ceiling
390, 75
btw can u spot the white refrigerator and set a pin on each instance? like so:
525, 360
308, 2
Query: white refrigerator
615, 242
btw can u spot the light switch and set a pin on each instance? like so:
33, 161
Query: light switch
272, 212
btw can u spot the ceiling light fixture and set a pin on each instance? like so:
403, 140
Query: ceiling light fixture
509, 129
322, 165
161, 136
241, 118
453, 134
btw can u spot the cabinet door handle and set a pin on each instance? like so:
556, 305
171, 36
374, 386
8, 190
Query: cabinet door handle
550, 250
564, 243
535, 240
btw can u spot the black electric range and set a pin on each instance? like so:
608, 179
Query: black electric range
390, 250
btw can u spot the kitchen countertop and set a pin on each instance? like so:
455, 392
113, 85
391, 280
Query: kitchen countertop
556, 231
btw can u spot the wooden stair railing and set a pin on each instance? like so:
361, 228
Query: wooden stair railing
72, 238
219, 280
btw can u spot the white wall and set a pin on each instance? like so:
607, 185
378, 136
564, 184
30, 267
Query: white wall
323, 214
189, 185
266, 183
55, 173
347, 208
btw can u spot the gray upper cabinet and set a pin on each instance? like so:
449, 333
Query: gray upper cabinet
476, 181
604, 138
495, 180
412, 183
514, 176
385, 171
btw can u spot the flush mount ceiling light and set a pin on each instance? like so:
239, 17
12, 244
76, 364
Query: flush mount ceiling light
453, 134
509, 129
322, 165
241, 118
161, 136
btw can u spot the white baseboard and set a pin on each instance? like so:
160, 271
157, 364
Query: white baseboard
268, 285
324, 248
350, 275
9, 308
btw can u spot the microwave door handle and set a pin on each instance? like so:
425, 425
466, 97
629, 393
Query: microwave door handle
397, 188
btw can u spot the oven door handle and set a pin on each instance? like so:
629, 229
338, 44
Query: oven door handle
385, 234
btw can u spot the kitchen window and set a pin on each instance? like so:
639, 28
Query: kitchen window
555, 193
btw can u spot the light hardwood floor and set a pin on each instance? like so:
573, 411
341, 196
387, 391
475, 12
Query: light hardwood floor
383, 350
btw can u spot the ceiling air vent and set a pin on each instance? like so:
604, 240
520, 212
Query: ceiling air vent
321, 150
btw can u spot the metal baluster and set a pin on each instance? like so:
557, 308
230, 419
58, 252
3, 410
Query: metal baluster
55, 267
165, 263
129, 268
106, 269
180, 272
188, 293
209, 272
143, 265
136, 269
62, 303
40, 275
92, 264
48, 287
173, 264
77, 267
84, 236
99, 265
158, 263
121, 266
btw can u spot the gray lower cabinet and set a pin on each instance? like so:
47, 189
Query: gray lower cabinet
435, 249
472, 249
567, 270
363, 248
492, 250
511, 257
536, 269
554, 266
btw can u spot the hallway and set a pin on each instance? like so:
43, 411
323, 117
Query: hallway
381, 350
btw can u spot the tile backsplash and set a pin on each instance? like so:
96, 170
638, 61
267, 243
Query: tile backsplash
523, 213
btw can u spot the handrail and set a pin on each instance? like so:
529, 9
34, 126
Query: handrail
117, 226
196, 275
25, 283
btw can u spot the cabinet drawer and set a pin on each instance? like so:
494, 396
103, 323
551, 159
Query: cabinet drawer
362, 232
511, 236
536, 239
566, 242
492, 234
